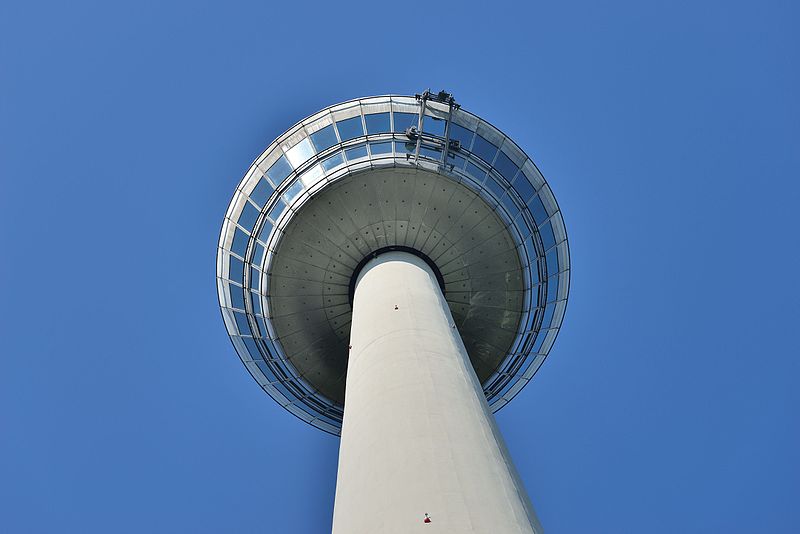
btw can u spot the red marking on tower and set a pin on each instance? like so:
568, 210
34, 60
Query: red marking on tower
427, 519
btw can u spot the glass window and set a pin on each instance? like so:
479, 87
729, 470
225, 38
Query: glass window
552, 262
484, 149
548, 315
355, 153
276, 210
255, 299
537, 209
237, 300
258, 253
405, 147
505, 166
475, 171
300, 153
460, 133
539, 340
403, 120
493, 186
523, 187
261, 192
236, 269
263, 235
241, 322
240, 240
430, 152
279, 170
295, 189
377, 123
333, 161
512, 208
252, 348
325, 138
434, 126
548, 239
552, 288
255, 277
248, 217
456, 161
380, 148
350, 128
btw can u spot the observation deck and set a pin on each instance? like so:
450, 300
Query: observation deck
415, 174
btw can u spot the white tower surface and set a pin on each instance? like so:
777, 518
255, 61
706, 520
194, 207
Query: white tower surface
394, 270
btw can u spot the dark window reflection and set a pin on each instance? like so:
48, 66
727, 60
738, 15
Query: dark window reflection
325, 138
377, 123
350, 128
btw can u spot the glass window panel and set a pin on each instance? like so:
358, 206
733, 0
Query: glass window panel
505, 166
456, 161
552, 262
377, 123
279, 170
261, 192
300, 153
434, 126
460, 133
405, 147
537, 209
350, 128
493, 186
355, 153
255, 299
523, 187
548, 315
333, 161
539, 340
276, 210
552, 288
325, 138
380, 148
265, 231
236, 269
241, 323
237, 300
252, 348
430, 152
475, 171
295, 189
248, 217
258, 253
548, 239
403, 120
512, 208
240, 240
484, 149
255, 277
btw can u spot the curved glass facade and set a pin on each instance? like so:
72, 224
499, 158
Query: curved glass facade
372, 133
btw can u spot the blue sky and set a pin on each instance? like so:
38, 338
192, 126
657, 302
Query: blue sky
668, 132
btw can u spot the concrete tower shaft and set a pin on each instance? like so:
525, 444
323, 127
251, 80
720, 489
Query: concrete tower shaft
418, 436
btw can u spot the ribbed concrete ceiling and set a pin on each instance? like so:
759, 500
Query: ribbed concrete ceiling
309, 279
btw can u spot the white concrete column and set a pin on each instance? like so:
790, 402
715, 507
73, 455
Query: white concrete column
418, 436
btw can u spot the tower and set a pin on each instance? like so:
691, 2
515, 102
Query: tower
394, 270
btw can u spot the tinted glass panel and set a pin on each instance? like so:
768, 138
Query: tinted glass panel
494, 187
237, 300
263, 235
276, 210
403, 120
261, 192
433, 125
248, 217
523, 187
325, 138
475, 171
408, 147
236, 269
377, 123
295, 189
240, 240
461, 134
241, 322
552, 262
255, 278
350, 128
355, 153
279, 170
252, 348
333, 161
255, 300
548, 315
258, 253
552, 288
546, 232
505, 166
380, 148
537, 208
484, 149
430, 152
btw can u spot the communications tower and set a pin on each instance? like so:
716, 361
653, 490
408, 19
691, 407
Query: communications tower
393, 270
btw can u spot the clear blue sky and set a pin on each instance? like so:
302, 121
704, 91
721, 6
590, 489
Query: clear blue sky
669, 132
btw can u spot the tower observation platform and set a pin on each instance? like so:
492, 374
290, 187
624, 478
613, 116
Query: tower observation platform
393, 270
